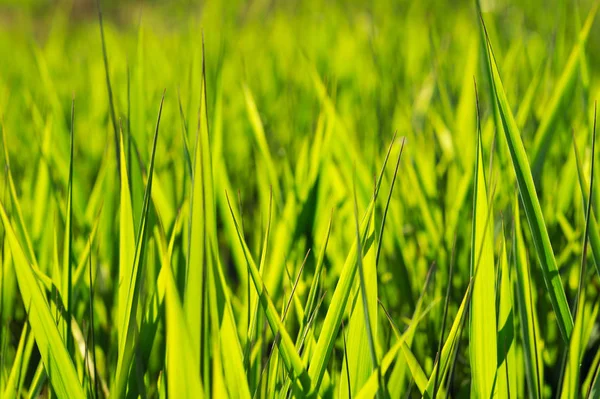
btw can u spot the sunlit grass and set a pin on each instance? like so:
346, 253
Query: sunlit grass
299, 200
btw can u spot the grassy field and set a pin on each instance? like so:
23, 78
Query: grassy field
299, 199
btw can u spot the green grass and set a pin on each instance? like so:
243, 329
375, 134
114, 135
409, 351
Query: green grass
300, 199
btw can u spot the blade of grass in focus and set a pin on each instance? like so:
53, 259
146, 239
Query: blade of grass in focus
528, 319
482, 328
128, 321
531, 204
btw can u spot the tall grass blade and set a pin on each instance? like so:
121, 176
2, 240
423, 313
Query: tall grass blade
594, 235
181, 364
126, 240
127, 323
482, 329
67, 276
111, 104
507, 359
528, 319
362, 333
531, 204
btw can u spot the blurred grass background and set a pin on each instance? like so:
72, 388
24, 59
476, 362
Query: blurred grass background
378, 58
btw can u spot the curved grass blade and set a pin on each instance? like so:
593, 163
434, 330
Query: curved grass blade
54, 354
531, 203
261, 140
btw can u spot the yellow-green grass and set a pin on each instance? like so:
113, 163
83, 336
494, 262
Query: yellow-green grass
299, 199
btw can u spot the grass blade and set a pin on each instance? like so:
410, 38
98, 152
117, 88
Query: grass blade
67, 277
340, 297
444, 318
182, 377
507, 363
127, 323
290, 357
530, 336
531, 204
126, 240
579, 338
482, 329
111, 103
54, 354
363, 318
594, 235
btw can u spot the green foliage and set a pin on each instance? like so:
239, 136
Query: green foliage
210, 200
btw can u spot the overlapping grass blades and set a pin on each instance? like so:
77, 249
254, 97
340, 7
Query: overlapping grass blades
362, 328
291, 359
58, 364
583, 312
124, 264
200, 227
506, 377
128, 321
531, 203
340, 296
528, 319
